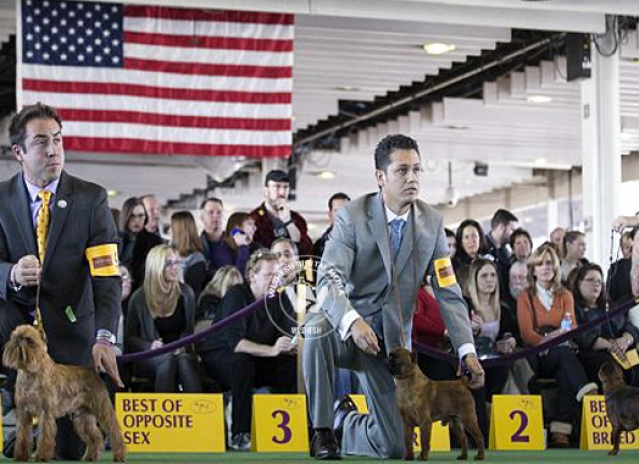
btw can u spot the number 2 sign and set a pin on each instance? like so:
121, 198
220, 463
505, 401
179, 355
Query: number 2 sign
516, 423
279, 423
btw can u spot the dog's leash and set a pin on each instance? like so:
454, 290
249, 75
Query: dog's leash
37, 321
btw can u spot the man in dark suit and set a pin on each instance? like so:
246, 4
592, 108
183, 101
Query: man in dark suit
75, 265
381, 247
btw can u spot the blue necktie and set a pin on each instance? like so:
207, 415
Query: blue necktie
397, 227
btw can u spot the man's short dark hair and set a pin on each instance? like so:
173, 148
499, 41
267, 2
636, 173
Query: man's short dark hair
18, 126
212, 199
388, 145
277, 175
279, 240
571, 236
449, 233
502, 216
337, 196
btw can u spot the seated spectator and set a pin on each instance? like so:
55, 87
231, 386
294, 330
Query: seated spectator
154, 211
452, 242
492, 330
502, 225
239, 234
623, 276
189, 247
135, 241
212, 295
517, 283
126, 293
255, 351
557, 240
521, 244
574, 252
216, 249
626, 244
274, 217
616, 336
336, 201
160, 312
540, 310
471, 244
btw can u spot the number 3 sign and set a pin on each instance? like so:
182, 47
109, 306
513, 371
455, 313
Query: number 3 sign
516, 423
279, 423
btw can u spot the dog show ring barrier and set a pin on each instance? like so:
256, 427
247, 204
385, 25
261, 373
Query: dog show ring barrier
280, 422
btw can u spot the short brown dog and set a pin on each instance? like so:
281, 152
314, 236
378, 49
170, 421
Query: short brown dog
622, 402
422, 401
49, 391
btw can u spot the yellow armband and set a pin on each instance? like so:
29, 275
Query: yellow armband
445, 273
103, 260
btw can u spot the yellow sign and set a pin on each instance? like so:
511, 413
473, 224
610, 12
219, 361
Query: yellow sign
516, 423
279, 423
631, 359
596, 428
439, 435
439, 438
173, 423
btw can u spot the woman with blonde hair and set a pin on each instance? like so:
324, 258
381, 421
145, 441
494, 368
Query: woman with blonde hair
541, 308
188, 245
212, 295
491, 328
160, 312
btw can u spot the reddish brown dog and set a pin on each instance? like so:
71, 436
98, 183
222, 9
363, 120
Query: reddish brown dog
422, 401
47, 390
622, 402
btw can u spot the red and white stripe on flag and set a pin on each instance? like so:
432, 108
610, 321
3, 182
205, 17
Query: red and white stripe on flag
157, 80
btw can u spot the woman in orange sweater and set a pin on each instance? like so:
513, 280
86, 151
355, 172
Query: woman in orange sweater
540, 311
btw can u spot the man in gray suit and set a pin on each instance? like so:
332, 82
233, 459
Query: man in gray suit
381, 247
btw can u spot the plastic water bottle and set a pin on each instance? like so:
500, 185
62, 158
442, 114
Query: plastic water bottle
566, 322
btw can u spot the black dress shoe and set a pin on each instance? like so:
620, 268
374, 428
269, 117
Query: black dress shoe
324, 445
342, 408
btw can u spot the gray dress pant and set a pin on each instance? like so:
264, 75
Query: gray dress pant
377, 434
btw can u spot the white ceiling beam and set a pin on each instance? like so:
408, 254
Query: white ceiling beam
617, 7
390, 27
465, 15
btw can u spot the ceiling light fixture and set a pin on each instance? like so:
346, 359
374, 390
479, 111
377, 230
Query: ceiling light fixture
539, 99
326, 175
113, 193
625, 136
540, 162
438, 48
347, 88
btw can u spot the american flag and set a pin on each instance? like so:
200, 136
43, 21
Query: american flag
158, 80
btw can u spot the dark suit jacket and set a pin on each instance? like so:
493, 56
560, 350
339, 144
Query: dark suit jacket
82, 222
619, 285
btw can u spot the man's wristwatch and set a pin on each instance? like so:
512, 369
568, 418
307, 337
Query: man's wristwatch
105, 336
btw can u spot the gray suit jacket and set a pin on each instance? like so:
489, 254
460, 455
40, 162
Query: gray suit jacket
356, 271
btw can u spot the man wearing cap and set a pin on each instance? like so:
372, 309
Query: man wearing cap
275, 219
